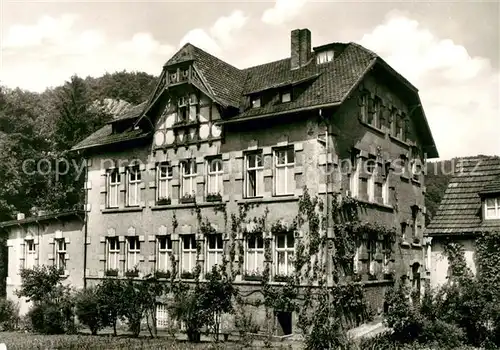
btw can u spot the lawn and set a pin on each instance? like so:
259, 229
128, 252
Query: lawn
18, 340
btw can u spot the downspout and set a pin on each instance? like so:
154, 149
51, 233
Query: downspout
327, 206
85, 221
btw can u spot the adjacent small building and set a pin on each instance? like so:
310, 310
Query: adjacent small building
46, 239
471, 205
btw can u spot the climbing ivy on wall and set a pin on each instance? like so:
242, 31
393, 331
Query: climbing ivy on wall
322, 289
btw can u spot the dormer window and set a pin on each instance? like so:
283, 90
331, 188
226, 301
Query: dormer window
492, 208
255, 102
182, 111
286, 96
324, 56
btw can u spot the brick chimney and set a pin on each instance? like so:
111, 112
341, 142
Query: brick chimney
300, 48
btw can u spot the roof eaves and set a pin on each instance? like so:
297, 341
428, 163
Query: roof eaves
41, 218
98, 144
267, 115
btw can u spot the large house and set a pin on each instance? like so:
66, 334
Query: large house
471, 205
45, 239
212, 135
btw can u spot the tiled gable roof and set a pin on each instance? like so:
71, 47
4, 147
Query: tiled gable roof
327, 84
331, 82
105, 136
460, 209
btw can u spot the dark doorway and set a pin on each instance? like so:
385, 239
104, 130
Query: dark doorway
284, 322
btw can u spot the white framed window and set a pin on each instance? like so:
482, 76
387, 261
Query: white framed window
255, 102
403, 163
386, 248
285, 250
354, 178
492, 208
188, 253
254, 254
286, 96
404, 225
284, 181
134, 186
164, 244
29, 253
324, 56
377, 113
182, 109
113, 253
371, 247
193, 107
416, 169
189, 173
371, 173
356, 268
215, 250
162, 316
113, 188
164, 175
133, 252
60, 253
214, 176
254, 175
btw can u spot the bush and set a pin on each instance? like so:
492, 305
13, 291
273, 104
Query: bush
47, 318
9, 315
89, 309
441, 334
402, 315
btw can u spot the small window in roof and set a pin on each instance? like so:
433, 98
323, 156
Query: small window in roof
324, 56
286, 96
255, 102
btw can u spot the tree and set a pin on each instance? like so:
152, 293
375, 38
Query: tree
110, 293
90, 310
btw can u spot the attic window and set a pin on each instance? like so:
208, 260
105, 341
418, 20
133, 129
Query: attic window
255, 102
492, 208
324, 56
286, 96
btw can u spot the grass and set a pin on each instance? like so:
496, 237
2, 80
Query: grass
19, 340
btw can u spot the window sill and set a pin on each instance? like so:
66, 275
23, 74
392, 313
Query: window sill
405, 178
122, 210
187, 205
377, 282
376, 204
374, 128
399, 141
415, 181
276, 199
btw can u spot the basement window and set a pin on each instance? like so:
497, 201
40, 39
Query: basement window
324, 56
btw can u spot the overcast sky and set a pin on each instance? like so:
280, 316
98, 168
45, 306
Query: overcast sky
449, 50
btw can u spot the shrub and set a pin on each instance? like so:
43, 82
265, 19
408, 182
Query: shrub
9, 315
402, 315
47, 318
89, 309
441, 334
